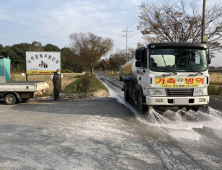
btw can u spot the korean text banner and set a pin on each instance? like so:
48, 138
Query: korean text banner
42, 62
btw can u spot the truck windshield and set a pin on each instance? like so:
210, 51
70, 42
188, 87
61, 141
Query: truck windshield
178, 60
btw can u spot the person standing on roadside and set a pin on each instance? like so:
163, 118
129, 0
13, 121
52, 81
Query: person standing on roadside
56, 84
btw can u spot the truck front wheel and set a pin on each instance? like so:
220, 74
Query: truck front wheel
10, 99
142, 107
194, 108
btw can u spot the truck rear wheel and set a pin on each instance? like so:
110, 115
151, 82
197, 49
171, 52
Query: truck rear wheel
126, 95
142, 107
10, 99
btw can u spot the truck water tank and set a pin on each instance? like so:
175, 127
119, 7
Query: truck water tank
5, 68
129, 70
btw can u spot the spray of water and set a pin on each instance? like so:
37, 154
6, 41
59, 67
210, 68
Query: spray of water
214, 112
191, 115
170, 114
157, 117
179, 114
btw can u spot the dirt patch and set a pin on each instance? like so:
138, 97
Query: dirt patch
99, 93
67, 79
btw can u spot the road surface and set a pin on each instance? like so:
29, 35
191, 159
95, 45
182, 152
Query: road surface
105, 133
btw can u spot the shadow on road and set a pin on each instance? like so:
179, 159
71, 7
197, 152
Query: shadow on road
105, 107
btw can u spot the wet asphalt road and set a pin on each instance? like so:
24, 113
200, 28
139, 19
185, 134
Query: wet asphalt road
105, 133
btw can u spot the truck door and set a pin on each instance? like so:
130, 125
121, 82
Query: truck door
142, 72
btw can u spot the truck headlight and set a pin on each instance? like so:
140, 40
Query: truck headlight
157, 92
200, 92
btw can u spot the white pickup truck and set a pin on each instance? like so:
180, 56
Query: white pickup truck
21, 91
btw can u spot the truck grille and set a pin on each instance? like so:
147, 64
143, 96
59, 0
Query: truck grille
179, 92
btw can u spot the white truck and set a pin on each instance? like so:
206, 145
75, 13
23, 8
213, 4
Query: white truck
168, 75
20, 91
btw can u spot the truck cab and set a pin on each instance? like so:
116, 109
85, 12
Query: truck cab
169, 75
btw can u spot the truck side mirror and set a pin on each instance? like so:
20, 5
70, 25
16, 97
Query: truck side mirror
138, 63
208, 56
143, 55
209, 59
138, 54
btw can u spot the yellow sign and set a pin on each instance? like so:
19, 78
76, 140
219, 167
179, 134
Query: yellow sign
180, 82
179, 86
40, 71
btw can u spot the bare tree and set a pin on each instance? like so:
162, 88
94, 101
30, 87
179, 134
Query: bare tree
119, 58
180, 22
131, 53
90, 48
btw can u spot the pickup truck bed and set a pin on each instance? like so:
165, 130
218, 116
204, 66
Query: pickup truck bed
23, 86
18, 91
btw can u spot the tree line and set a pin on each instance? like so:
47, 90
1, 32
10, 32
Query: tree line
115, 60
17, 54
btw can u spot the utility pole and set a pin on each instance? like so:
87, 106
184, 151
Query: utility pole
203, 36
127, 35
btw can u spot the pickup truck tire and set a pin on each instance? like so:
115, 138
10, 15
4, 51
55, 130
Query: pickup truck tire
142, 107
10, 99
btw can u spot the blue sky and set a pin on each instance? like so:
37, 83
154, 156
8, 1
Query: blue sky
52, 21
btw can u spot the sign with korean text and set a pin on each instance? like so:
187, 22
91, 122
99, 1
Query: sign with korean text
42, 62
180, 82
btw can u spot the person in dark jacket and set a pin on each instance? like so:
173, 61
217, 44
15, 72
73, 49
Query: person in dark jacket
56, 84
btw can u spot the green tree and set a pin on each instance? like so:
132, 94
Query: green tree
51, 47
70, 61
18, 67
3, 51
36, 46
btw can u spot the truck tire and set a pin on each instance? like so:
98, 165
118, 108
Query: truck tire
194, 108
10, 99
126, 95
142, 107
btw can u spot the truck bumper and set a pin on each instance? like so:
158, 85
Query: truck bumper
177, 101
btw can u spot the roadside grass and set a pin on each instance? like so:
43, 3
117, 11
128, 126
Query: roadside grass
112, 73
215, 83
215, 78
85, 84
215, 89
216, 96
